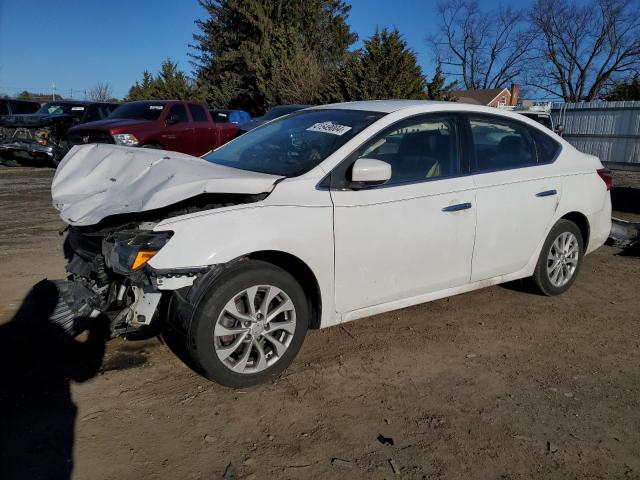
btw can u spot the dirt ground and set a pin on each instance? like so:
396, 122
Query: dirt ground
494, 384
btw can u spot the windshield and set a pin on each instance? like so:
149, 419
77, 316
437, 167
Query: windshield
139, 111
282, 110
57, 108
295, 144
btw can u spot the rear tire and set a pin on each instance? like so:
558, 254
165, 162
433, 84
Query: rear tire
250, 326
560, 259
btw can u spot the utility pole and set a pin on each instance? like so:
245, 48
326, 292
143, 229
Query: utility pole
72, 93
53, 91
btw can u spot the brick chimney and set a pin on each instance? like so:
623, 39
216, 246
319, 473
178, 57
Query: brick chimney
515, 93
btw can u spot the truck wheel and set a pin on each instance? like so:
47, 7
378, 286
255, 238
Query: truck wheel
560, 259
251, 325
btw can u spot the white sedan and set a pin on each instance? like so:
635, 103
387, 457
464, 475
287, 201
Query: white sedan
326, 215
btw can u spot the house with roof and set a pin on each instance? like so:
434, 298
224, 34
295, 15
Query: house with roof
492, 97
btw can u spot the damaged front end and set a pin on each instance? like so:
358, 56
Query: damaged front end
109, 272
35, 138
114, 198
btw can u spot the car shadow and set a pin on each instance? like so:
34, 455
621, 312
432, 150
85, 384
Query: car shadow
524, 285
38, 362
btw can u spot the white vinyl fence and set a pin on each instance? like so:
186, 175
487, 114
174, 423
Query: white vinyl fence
609, 130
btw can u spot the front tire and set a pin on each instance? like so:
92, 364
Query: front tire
251, 325
560, 259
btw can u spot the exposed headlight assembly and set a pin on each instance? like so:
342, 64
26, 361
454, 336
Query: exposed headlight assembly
42, 136
126, 139
130, 254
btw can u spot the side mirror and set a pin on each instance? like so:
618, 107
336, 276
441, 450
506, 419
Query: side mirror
559, 129
171, 120
369, 171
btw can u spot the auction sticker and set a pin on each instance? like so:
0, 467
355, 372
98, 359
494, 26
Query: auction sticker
77, 108
329, 127
156, 107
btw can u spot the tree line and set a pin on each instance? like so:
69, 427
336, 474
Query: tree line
251, 54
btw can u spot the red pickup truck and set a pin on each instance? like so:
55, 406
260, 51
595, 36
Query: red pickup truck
176, 125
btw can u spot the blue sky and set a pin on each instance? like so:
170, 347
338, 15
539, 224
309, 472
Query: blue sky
78, 43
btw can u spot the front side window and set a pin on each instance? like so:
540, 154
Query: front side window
178, 113
417, 150
293, 145
501, 144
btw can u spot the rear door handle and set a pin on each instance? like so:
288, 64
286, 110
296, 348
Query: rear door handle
546, 193
457, 207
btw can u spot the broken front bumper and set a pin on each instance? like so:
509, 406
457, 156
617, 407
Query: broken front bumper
32, 150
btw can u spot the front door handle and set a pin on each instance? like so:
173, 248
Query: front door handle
457, 207
546, 193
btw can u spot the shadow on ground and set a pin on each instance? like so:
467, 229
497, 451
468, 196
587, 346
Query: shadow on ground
38, 361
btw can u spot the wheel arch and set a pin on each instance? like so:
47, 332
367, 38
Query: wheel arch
301, 272
582, 223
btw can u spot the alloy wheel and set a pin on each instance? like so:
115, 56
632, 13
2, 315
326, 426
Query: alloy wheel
254, 329
562, 259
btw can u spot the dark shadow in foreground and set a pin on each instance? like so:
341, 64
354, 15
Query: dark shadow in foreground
37, 363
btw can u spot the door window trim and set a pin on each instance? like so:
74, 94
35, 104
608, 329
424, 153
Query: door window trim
463, 160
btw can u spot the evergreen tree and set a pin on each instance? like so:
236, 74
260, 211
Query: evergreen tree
627, 90
169, 83
438, 89
246, 47
385, 68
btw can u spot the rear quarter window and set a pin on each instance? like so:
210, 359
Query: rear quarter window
547, 148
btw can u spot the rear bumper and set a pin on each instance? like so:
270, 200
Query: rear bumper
599, 226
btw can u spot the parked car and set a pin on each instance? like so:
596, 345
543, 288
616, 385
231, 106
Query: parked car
272, 114
230, 116
43, 135
327, 215
175, 125
10, 106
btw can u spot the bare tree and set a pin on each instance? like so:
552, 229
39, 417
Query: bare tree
102, 92
298, 78
583, 48
487, 49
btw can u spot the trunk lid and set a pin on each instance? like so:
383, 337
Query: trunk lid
96, 181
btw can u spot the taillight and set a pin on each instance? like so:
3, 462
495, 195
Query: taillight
607, 178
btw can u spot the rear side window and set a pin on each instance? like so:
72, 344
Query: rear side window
4, 108
546, 147
501, 144
197, 113
179, 113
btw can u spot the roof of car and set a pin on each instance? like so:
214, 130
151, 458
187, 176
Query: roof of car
382, 106
390, 106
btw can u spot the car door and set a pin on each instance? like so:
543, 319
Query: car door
518, 191
178, 132
414, 234
203, 130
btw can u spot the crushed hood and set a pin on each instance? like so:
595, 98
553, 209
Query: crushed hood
96, 181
